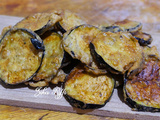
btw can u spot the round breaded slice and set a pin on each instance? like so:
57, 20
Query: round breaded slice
76, 43
125, 25
142, 91
39, 22
129, 25
117, 52
86, 90
53, 57
20, 60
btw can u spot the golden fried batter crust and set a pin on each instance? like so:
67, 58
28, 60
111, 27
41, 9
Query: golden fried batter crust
38, 21
119, 50
70, 20
144, 88
89, 88
19, 59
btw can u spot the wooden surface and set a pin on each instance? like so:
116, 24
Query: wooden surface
95, 12
19, 113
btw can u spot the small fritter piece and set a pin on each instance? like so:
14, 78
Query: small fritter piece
144, 39
70, 20
116, 52
53, 57
88, 91
59, 77
35, 84
95, 68
76, 43
39, 22
19, 59
150, 52
129, 25
142, 91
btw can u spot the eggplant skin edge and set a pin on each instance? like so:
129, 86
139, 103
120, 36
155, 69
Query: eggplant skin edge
135, 106
82, 105
79, 104
101, 62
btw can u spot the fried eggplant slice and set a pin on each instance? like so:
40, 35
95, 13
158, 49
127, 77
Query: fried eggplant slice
39, 22
144, 39
19, 59
76, 43
88, 91
129, 25
125, 26
117, 52
70, 20
53, 57
142, 91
